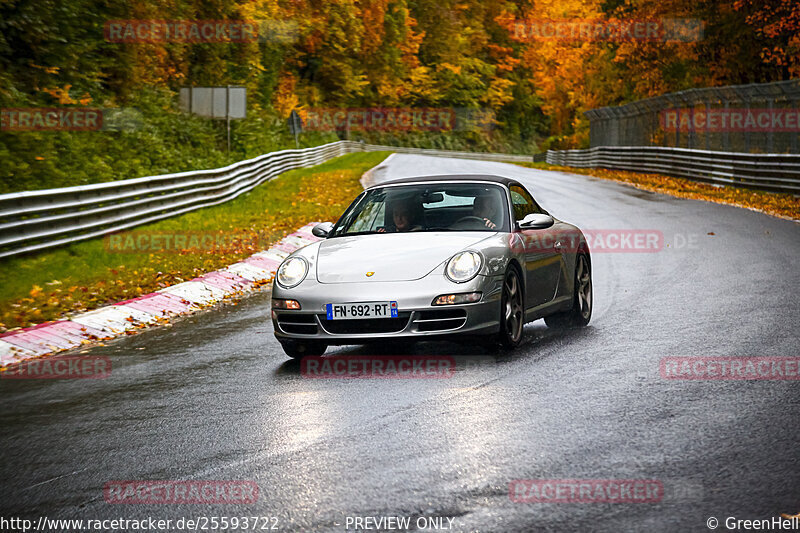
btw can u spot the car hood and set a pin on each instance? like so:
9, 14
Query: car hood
391, 256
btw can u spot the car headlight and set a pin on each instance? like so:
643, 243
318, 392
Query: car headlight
292, 272
464, 266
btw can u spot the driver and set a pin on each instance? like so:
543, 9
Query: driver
486, 208
402, 217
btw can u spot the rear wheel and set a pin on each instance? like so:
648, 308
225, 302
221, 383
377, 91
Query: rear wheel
512, 311
300, 349
581, 311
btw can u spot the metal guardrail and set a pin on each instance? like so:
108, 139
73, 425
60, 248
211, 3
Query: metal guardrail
35, 220
769, 172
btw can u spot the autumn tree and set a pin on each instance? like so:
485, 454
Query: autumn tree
777, 22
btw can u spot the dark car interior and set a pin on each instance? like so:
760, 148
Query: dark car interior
452, 208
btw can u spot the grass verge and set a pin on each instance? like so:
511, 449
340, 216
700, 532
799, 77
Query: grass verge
90, 274
776, 204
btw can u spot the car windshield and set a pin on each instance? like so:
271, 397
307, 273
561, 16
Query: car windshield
428, 207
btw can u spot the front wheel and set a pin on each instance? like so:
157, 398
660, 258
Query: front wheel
581, 311
512, 311
300, 349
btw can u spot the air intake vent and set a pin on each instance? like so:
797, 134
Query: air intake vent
440, 319
297, 324
367, 325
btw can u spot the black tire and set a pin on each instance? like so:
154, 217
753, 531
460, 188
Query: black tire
581, 311
300, 349
512, 311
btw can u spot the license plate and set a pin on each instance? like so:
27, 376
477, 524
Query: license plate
352, 311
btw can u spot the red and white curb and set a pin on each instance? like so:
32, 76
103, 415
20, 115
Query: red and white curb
182, 299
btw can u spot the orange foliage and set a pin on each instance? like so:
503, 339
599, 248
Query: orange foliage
779, 22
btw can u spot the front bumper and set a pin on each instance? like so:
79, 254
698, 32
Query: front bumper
417, 318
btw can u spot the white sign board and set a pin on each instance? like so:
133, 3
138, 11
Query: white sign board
214, 102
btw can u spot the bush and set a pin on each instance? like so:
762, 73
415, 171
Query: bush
164, 140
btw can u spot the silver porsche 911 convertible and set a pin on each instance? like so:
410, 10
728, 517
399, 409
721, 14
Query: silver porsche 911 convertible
438, 257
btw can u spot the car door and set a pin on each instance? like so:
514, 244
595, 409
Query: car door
542, 260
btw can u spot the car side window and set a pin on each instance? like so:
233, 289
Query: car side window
523, 203
370, 218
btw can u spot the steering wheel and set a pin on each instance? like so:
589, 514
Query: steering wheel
468, 222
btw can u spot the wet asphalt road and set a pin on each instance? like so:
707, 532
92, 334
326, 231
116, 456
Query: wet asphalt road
213, 397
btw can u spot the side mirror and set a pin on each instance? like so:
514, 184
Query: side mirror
322, 230
536, 221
